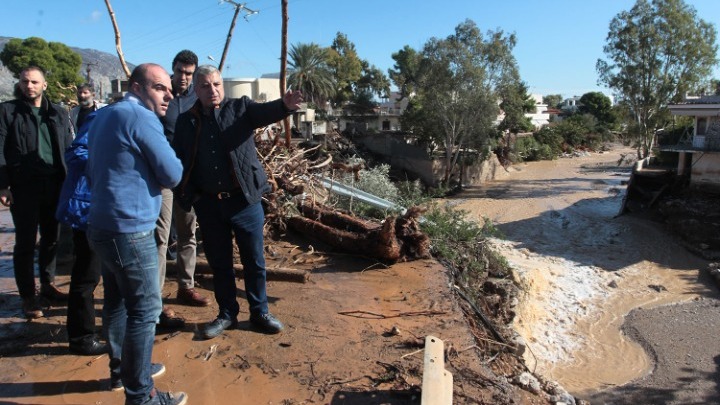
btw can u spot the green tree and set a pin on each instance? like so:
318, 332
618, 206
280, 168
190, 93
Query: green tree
60, 63
310, 73
553, 100
598, 105
656, 52
373, 80
405, 71
346, 67
515, 103
457, 85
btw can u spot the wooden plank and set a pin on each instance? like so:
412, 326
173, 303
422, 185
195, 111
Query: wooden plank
437, 385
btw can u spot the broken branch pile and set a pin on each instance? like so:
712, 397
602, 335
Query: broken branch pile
298, 201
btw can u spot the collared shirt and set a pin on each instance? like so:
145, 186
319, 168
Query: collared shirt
212, 169
45, 148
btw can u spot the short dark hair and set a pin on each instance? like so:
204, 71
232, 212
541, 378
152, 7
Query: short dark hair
86, 86
138, 75
33, 67
186, 57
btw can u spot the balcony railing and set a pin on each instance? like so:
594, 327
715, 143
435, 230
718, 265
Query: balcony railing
706, 142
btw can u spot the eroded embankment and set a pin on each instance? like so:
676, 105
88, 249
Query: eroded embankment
583, 267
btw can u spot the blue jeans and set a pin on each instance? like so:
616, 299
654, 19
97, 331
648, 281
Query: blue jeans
132, 305
218, 220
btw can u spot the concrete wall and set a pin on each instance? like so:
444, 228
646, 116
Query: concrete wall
262, 89
705, 172
415, 160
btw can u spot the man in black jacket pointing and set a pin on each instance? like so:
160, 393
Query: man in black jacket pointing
224, 181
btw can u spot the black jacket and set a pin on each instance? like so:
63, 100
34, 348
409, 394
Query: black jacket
19, 139
238, 118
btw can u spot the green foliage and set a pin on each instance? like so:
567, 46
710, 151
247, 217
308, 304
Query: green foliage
462, 244
60, 63
515, 103
375, 181
354, 77
599, 106
405, 71
573, 131
310, 73
373, 80
553, 100
346, 67
529, 149
457, 81
656, 52
552, 138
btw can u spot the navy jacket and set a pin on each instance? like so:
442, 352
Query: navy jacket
19, 139
237, 119
74, 203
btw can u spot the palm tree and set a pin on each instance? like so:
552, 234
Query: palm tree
309, 73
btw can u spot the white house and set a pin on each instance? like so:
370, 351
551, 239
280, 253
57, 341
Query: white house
700, 155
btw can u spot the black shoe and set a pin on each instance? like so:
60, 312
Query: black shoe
88, 347
52, 293
156, 370
31, 308
266, 322
166, 398
216, 327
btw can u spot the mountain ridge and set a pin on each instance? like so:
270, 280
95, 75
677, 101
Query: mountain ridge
103, 68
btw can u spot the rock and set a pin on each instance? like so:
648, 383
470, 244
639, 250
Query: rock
519, 344
528, 382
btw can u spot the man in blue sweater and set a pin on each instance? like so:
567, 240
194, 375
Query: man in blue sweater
128, 166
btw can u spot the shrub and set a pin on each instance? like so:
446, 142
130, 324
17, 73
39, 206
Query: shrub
462, 244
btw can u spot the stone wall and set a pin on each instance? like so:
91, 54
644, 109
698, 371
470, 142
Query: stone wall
415, 160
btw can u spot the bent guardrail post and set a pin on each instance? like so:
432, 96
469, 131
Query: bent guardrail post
437, 384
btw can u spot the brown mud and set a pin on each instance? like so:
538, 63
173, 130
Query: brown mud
354, 335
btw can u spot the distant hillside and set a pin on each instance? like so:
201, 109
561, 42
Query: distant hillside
103, 67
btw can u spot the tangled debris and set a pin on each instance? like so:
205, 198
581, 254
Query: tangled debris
299, 202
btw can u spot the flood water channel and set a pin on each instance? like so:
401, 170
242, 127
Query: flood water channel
582, 267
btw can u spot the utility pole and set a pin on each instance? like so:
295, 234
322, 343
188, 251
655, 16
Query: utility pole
283, 67
87, 77
238, 8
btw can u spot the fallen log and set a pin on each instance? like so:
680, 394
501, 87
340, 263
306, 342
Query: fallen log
395, 239
273, 274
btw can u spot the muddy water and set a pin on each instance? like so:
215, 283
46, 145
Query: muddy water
582, 267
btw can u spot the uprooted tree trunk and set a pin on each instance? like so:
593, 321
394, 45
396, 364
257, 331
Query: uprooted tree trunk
396, 239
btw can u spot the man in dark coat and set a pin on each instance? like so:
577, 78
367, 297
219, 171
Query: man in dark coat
34, 133
224, 181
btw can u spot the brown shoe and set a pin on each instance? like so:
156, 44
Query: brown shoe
189, 296
51, 292
31, 308
169, 320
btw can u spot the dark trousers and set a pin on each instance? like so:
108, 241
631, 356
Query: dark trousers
219, 220
83, 280
34, 204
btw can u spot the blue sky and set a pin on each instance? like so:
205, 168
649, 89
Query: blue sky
558, 41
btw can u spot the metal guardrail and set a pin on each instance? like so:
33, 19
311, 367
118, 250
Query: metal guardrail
348, 191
